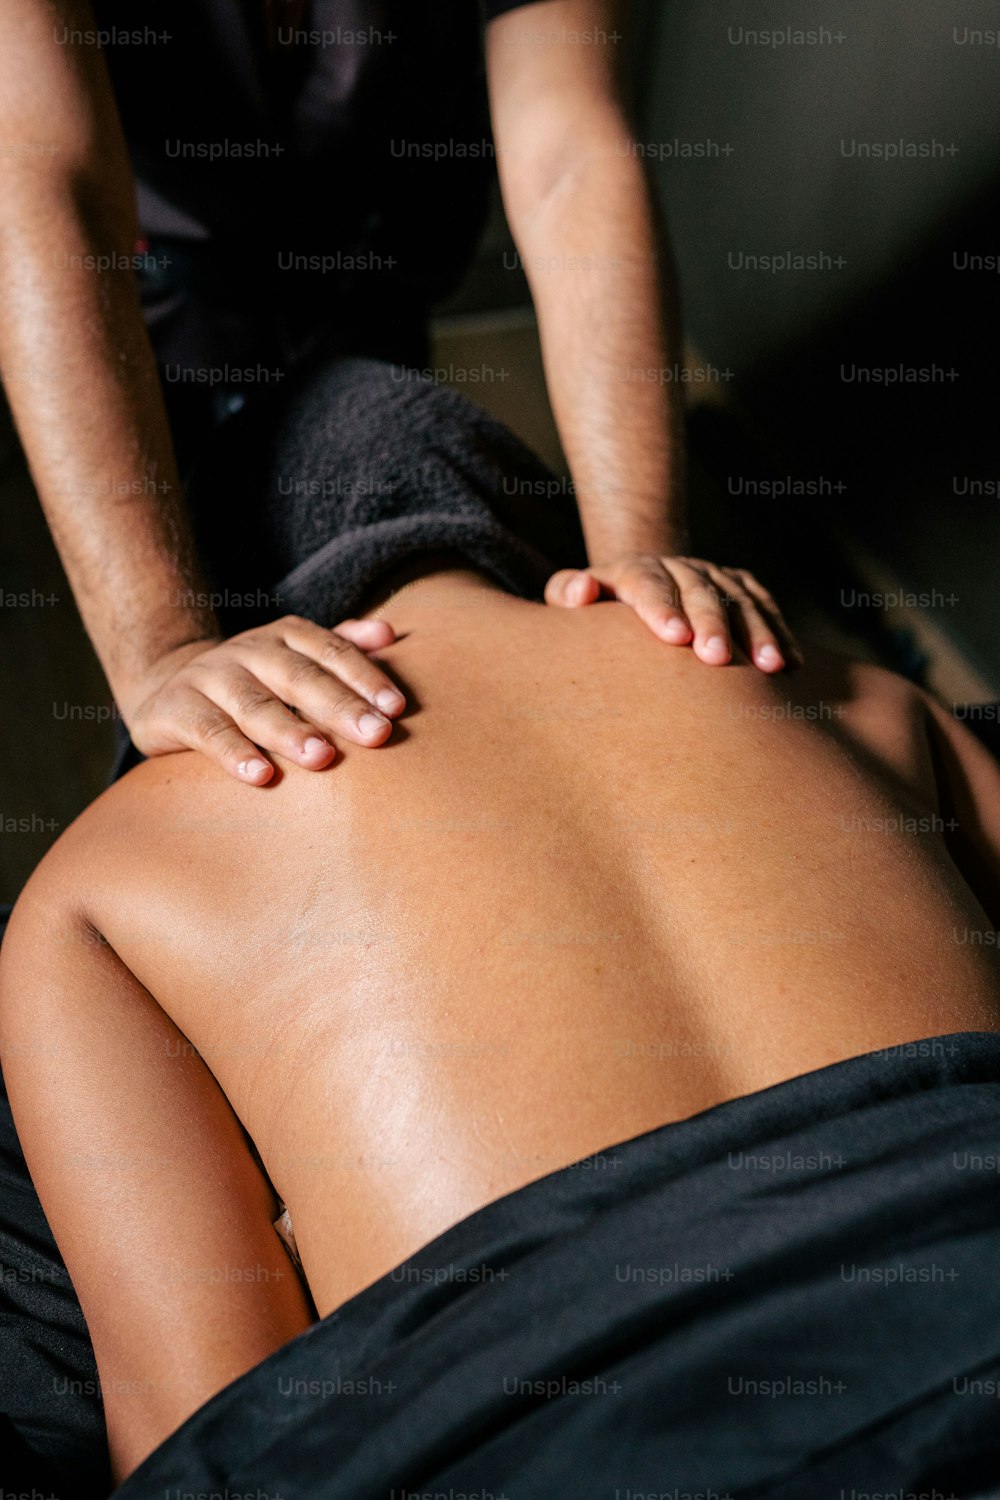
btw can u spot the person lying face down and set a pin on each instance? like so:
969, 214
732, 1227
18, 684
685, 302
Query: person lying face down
587, 889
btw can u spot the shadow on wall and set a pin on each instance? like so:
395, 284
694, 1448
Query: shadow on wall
831, 183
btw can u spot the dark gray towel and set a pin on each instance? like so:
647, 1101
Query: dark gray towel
305, 500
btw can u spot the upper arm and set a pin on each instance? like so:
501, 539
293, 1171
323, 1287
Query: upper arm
969, 787
555, 74
58, 117
49, 940
143, 1170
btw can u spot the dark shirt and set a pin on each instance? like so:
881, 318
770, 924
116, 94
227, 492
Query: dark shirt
296, 158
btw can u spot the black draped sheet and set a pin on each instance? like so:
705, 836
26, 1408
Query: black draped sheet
794, 1294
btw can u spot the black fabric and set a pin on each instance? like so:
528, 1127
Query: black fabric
984, 721
358, 467
363, 143
494, 8
594, 1333
395, 335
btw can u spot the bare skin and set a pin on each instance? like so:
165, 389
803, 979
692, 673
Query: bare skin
587, 889
80, 375
598, 262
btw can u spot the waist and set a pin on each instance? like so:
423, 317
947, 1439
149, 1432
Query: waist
385, 1139
729, 1232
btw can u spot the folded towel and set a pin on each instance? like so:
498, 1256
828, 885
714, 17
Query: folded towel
303, 502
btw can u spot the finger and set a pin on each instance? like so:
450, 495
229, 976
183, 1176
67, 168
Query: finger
321, 697
202, 725
572, 587
651, 590
758, 638
338, 656
261, 716
706, 612
370, 635
790, 646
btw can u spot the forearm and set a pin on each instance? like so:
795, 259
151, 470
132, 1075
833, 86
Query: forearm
602, 281
84, 392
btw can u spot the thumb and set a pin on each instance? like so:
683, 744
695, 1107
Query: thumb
571, 587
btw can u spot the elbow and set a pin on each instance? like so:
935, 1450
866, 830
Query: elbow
594, 165
43, 183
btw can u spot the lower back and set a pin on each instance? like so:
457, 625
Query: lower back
592, 886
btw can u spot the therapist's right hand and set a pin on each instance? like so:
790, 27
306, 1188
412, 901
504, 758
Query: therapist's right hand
286, 688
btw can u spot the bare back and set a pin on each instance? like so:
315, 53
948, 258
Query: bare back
591, 887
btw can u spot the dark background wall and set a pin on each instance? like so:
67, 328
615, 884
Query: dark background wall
792, 114
903, 462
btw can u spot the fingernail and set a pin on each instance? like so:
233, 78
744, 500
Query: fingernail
770, 656
389, 700
253, 769
314, 746
372, 723
676, 630
715, 646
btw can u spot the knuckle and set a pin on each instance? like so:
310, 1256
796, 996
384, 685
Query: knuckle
344, 705
301, 671
703, 595
659, 596
252, 700
178, 704
198, 668
334, 650
211, 729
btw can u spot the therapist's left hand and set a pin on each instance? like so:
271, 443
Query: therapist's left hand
687, 601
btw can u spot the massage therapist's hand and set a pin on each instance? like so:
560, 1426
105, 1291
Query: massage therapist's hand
687, 602
230, 698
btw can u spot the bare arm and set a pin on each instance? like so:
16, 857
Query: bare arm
143, 1171
582, 215
601, 275
75, 358
84, 391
